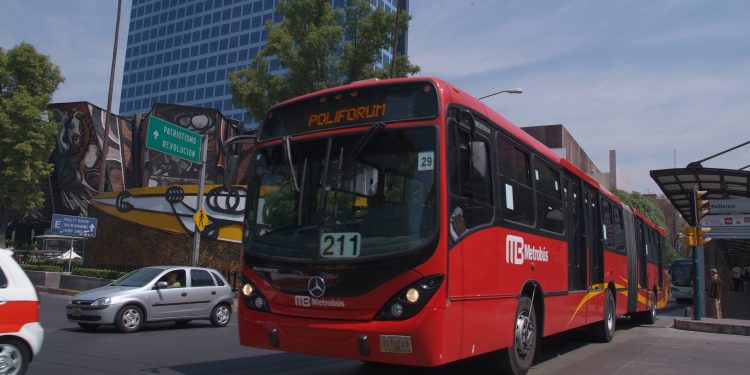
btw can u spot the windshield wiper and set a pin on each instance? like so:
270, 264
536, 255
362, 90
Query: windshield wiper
357, 150
287, 148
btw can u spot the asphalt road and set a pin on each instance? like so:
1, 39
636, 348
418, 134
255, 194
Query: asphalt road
201, 349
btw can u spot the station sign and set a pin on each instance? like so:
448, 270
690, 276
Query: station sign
729, 206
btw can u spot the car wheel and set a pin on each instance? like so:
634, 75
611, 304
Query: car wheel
14, 356
220, 315
129, 319
88, 326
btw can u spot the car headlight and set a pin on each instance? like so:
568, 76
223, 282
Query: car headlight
104, 301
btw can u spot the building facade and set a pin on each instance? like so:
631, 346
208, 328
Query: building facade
182, 51
562, 142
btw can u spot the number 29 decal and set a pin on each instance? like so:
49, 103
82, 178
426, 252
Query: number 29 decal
340, 245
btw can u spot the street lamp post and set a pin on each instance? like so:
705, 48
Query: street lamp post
509, 91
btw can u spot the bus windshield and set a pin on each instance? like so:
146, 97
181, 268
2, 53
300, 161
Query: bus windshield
343, 198
682, 273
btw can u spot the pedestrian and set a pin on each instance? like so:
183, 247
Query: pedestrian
714, 294
736, 278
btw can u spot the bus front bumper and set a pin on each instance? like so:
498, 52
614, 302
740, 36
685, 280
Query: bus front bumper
415, 342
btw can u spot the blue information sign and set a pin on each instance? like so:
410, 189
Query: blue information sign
76, 226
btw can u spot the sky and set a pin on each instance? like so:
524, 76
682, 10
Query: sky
662, 82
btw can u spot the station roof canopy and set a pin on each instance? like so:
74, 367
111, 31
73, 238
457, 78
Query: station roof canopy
677, 184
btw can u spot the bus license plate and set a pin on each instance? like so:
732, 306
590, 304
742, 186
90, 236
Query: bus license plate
76, 312
395, 344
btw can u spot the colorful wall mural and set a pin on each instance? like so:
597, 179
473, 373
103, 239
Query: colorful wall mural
144, 186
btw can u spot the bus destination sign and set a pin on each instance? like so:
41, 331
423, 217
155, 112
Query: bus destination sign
357, 106
369, 112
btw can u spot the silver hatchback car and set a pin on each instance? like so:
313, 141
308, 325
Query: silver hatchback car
155, 294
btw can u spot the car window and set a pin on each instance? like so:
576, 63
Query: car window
201, 278
218, 278
174, 279
3, 279
138, 278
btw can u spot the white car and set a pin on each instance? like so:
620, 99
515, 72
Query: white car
21, 335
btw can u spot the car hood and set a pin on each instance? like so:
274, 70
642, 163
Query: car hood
105, 291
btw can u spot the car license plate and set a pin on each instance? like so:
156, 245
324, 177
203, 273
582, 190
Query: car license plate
76, 312
395, 344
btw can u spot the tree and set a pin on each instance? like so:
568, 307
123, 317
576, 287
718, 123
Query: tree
27, 136
320, 47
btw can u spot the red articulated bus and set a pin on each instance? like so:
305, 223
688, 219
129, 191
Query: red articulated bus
403, 221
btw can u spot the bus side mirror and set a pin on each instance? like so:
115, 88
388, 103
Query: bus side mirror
230, 171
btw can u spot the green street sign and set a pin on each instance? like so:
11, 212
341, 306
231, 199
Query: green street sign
163, 136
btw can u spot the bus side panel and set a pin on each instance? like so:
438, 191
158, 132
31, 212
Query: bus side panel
616, 272
473, 265
565, 312
479, 326
526, 257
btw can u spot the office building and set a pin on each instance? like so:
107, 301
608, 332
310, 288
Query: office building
182, 51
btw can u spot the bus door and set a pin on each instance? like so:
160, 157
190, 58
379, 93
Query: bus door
641, 243
593, 236
576, 234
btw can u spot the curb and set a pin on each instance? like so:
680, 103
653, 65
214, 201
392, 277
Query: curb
688, 324
66, 292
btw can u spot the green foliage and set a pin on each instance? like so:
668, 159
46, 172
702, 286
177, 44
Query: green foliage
310, 44
648, 207
672, 254
27, 137
101, 274
40, 267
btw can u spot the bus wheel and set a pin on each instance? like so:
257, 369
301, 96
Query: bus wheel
518, 358
649, 317
605, 330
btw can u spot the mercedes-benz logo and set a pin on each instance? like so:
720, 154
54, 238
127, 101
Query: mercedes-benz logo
316, 286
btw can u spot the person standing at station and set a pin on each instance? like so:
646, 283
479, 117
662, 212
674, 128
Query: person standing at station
714, 294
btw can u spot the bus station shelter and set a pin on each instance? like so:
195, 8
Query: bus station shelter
730, 229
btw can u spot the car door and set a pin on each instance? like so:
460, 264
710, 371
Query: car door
170, 302
203, 292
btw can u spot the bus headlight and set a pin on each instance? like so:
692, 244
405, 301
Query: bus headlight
410, 300
252, 297
247, 290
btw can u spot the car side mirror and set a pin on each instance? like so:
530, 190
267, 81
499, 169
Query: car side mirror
161, 284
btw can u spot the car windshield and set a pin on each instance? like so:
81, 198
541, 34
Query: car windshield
138, 278
360, 195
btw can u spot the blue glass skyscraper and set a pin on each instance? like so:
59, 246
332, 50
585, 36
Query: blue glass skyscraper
181, 51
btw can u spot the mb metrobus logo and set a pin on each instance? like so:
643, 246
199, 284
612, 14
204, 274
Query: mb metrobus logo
516, 251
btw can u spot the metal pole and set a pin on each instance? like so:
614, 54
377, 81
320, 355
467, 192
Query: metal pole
201, 185
699, 299
105, 146
70, 255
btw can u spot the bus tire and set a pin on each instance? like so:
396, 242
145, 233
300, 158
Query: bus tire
649, 317
518, 358
604, 331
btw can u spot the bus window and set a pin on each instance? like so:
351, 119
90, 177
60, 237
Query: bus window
471, 187
515, 184
548, 200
